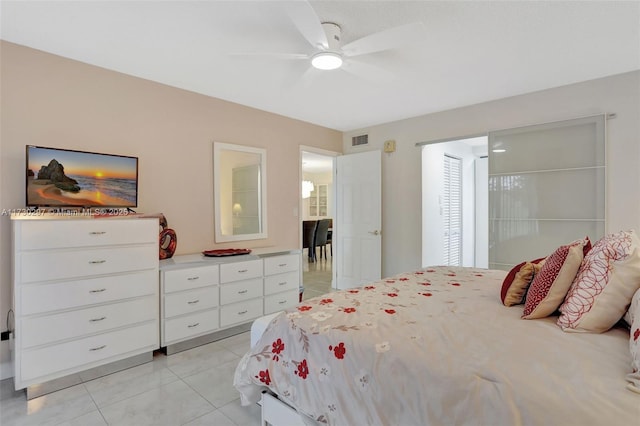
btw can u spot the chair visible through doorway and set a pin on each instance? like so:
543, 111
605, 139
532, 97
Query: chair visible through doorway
308, 238
321, 238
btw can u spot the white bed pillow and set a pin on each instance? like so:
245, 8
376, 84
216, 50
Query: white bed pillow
634, 343
602, 290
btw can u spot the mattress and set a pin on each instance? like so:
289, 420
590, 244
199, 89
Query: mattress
434, 347
259, 326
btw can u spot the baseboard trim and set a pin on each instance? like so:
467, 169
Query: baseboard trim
6, 370
35, 391
6, 364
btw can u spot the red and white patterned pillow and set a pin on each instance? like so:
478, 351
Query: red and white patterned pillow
550, 285
604, 286
634, 343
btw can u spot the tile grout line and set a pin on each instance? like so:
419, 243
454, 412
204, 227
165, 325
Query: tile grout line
95, 403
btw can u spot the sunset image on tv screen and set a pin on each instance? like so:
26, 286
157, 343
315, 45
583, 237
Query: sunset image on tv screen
57, 177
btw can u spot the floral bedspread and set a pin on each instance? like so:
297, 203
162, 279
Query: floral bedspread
434, 346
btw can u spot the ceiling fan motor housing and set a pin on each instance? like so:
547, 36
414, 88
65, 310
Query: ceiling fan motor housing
333, 33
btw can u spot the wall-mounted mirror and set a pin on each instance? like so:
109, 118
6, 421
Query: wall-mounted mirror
240, 192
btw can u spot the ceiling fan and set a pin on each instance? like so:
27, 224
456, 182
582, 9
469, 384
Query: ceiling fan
326, 38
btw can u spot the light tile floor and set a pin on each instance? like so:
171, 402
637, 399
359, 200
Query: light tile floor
316, 276
193, 387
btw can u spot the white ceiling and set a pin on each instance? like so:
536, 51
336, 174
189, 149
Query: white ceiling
316, 163
470, 52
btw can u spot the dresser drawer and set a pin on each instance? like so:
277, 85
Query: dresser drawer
38, 298
47, 234
281, 264
281, 282
280, 301
184, 279
75, 354
189, 301
63, 264
190, 325
240, 312
72, 324
242, 290
236, 271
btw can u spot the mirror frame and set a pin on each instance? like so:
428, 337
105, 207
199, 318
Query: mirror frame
218, 147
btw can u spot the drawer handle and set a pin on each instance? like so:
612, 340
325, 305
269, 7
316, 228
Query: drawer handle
97, 319
97, 232
282, 265
193, 302
98, 348
192, 278
100, 290
96, 262
193, 325
282, 302
242, 312
242, 291
242, 271
282, 283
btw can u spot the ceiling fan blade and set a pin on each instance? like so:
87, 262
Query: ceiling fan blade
367, 71
276, 55
308, 23
385, 40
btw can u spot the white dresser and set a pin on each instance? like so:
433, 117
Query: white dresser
241, 291
281, 282
190, 302
85, 294
206, 298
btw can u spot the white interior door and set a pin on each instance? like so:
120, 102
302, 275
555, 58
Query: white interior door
358, 223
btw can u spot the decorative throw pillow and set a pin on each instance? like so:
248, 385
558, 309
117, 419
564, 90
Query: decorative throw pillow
549, 287
627, 317
604, 286
516, 283
634, 343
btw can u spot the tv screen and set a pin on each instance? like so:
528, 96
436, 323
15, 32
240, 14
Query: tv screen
66, 178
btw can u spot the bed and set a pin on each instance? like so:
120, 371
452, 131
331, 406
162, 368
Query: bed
436, 347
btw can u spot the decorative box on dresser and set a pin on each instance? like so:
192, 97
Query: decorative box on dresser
85, 297
204, 299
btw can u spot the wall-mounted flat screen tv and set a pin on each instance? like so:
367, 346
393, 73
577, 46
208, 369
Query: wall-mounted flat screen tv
66, 178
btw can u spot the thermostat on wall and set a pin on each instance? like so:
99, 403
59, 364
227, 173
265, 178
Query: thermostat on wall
390, 146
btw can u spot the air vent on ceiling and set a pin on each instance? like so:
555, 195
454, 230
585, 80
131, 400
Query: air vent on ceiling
360, 140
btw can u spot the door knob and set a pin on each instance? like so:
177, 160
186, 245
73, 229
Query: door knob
376, 232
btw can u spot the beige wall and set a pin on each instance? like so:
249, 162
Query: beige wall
51, 101
401, 171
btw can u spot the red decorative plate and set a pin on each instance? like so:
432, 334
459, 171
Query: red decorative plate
225, 252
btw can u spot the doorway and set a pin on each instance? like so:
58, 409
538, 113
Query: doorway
317, 171
455, 203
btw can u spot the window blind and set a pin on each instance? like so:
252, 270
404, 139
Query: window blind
452, 210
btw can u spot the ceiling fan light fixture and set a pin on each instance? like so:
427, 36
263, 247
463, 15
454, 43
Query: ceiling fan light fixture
326, 61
